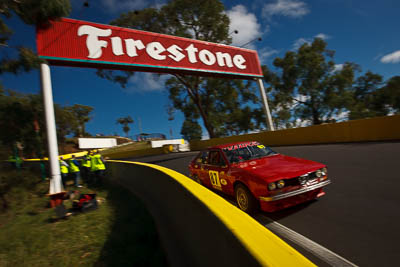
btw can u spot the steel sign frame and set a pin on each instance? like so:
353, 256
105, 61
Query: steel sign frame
76, 43
69, 42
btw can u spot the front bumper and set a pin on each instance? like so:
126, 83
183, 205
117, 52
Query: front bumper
296, 192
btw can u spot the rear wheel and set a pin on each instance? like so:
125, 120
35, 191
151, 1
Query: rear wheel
245, 200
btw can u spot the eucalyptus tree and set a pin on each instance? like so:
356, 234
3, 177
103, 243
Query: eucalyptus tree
125, 121
224, 106
308, 86
81, 115
31, 12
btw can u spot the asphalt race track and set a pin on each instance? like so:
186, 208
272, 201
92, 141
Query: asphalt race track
358, 218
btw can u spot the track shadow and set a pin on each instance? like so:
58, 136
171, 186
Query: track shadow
288, 211
164, 160
133, 239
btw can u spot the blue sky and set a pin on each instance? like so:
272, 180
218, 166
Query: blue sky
363, 32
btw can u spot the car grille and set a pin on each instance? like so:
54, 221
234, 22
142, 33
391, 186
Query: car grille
300, 180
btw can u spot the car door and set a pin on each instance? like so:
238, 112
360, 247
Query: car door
215, 170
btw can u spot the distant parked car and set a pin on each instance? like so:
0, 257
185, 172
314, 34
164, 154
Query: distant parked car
259, 177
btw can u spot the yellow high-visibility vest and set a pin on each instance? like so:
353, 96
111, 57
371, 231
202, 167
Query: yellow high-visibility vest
96, 163
86, 162
63, 168
72, 166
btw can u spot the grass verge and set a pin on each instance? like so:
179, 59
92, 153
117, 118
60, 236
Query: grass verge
120, 232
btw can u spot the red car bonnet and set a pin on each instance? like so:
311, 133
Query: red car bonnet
276, 167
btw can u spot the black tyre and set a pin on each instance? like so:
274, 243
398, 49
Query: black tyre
245, 200
197, 179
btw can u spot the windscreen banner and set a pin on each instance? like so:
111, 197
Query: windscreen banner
70, 42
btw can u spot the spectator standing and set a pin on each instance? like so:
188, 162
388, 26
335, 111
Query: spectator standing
64, 170
97, 167
86, 163
74, 170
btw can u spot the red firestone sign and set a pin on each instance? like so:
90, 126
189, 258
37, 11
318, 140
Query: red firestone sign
70, 42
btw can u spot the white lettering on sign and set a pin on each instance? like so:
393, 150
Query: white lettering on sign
155, 49
239, 60
223, 58
132, 46
175, 53
93, 43
207, 57
191, 50
116, 44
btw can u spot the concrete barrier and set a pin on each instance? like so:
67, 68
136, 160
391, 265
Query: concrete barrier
198, 227
374, 129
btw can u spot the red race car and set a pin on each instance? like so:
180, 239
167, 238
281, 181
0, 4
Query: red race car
258, 177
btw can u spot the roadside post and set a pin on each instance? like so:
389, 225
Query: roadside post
56, 191
265, 104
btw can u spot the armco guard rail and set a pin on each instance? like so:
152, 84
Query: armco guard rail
198, 227
374, 129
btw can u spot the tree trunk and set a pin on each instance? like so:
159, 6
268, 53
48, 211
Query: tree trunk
193, 94
315, 113
204, 116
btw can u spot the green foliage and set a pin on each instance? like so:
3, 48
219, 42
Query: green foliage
191, 130
391, 94
26, 61
367, 98
307, 87
125, 121
224, 106
121, 232
81, 113
19, 113
32, 12
37, 12
12, 181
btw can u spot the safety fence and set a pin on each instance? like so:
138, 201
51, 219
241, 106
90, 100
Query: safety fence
374, 129
196, 226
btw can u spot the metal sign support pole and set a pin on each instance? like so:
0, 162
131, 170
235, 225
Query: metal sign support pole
265, 102
55, 175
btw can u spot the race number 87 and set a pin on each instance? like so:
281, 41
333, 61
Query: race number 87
214, 178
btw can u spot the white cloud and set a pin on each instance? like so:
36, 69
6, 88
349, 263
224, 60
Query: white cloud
323, 36
266, 52
247, 25
301, 98
146, 82
392, 57
287, 8
338, 67
299, 42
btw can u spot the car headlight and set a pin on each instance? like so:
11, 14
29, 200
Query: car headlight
280, 184
271, 186
324, 171
318, 173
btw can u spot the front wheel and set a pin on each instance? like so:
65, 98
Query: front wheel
197, 179
245, 200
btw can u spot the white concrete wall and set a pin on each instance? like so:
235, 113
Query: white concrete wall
87, 143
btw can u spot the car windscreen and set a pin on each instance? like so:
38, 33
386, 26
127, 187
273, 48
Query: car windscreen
240, 153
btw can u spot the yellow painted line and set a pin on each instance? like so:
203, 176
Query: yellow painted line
65, 156
265, 246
